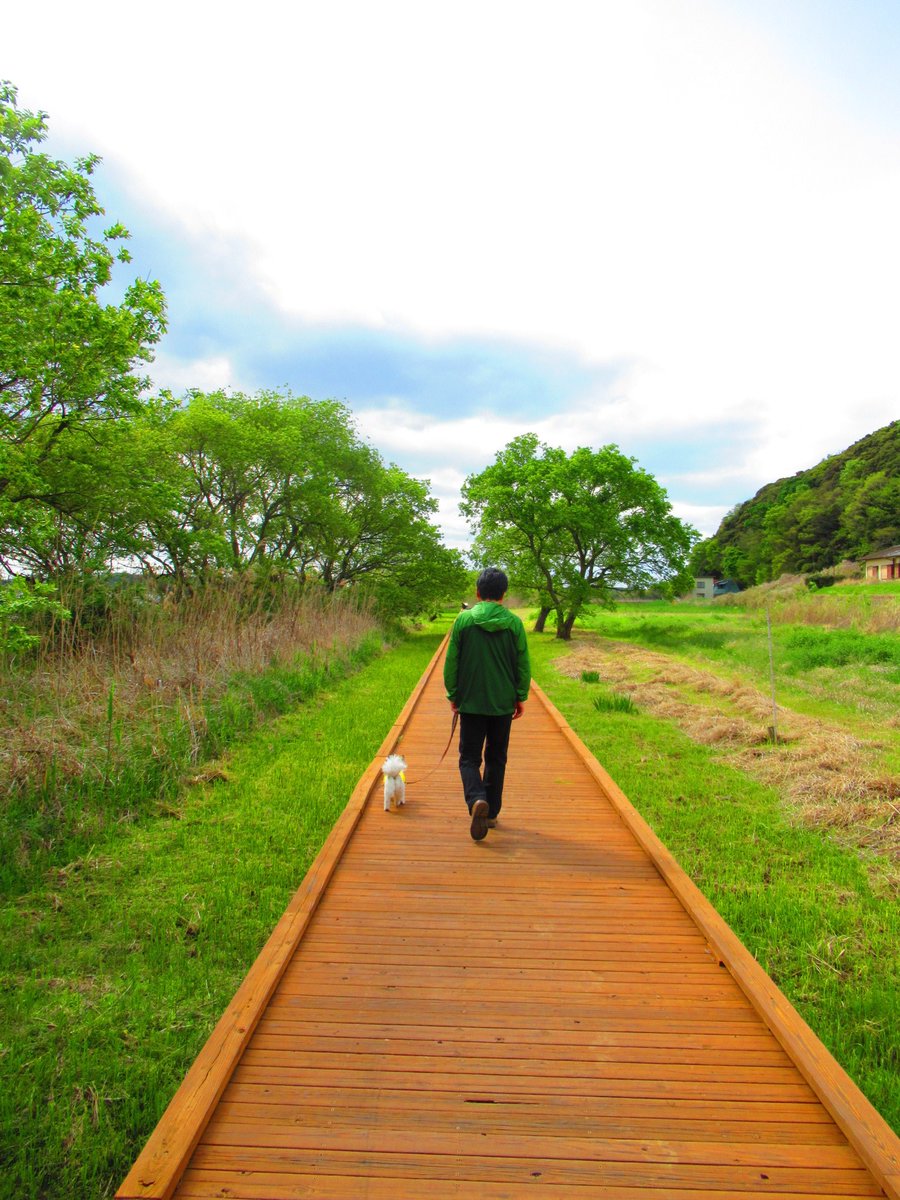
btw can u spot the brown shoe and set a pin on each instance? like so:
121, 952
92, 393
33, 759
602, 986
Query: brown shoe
479, 826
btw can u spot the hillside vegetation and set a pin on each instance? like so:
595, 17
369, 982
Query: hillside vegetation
846, 506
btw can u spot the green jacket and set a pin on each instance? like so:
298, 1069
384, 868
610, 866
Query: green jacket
487, 669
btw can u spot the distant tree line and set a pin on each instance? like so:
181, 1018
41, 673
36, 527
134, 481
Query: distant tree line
215, 485
98, 477
846, 506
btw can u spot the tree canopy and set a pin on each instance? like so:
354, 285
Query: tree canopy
573, 527
67, 359
221, 484
276, 482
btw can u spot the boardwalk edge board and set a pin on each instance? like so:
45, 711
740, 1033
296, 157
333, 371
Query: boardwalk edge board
160, 1165
863, 1126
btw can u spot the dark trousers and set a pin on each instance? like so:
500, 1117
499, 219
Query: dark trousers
490, 736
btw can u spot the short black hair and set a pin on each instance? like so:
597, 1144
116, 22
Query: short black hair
492, 584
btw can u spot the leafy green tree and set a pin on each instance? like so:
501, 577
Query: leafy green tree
279, 483
574, 527
67, 360
871, 519
20, 603
260, 482
381, 539
101, 487
706, 558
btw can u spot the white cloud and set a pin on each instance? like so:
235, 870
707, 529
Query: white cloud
705, 518
651, 183
463, 441
609, 176
207, 374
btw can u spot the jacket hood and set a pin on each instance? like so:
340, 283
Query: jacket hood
492, 617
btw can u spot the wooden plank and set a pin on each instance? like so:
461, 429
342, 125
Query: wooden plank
400, 1110
551, 957
508, 1014
503, 1106
461, 1163
421, 1140
628, 1010
701, 1042
274, 1185
486, 1084
594, 1068
288, 1041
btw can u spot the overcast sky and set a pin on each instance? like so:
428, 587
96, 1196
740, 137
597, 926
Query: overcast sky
673, 225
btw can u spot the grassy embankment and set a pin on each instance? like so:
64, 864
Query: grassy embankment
116, 965
808, 882
103, 724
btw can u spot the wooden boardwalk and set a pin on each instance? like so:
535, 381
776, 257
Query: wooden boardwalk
554, 1011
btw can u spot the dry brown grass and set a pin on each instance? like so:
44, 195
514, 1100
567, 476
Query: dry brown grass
824, 773
60, 717
840, 607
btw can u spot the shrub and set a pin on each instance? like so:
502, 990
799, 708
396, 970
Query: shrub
22, 604
615, 702
811, 647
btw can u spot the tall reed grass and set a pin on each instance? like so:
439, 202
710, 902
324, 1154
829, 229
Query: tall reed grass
104, 720
844, 606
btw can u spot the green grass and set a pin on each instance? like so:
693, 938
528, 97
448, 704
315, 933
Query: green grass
838, 674
806, 648
885, 587
147, 756
805, 907
115, 970
614, 702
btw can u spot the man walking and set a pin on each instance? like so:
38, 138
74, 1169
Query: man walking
487, 674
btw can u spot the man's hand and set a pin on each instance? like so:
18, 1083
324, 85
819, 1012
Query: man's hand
520, 710
453, 706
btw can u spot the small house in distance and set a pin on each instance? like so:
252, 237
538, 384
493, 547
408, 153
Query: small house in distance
703, 587
883, 564
707, 586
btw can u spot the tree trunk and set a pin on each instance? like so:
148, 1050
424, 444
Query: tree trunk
542, 619
564, 626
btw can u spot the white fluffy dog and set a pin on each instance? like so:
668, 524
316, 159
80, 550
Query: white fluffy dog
394, 781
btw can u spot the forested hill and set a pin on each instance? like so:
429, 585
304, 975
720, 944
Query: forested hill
845, 506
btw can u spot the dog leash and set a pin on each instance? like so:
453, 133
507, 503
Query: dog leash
453, 725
